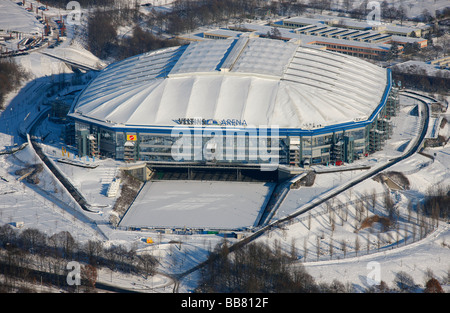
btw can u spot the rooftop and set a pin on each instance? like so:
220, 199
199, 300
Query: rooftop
261, 81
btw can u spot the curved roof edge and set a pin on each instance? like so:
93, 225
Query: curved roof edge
316, 86
282, 131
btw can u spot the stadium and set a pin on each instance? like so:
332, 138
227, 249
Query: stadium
246, 101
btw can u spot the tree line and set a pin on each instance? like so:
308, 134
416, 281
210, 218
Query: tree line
418, 79
253, 268
437, 202
104, 41
257, 268
61, 4
11, 77
30, 254
188, 15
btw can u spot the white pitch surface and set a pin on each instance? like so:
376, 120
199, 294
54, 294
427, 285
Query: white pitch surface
198, 204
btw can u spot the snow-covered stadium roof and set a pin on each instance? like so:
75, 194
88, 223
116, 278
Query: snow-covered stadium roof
256, 80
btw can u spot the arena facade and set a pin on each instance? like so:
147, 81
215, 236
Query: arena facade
246, 100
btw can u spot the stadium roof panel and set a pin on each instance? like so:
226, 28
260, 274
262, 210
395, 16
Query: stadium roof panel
266, 57
202, 56
261, 81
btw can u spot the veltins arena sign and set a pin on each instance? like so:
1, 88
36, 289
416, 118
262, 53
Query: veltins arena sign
212, 122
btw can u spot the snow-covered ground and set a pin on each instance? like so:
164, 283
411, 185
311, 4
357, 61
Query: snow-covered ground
415, 259
422, 67
15, 18
399, 249
406, 128
413, 8
391, 256
49, 208
44, 206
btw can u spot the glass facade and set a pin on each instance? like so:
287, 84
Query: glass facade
245, 146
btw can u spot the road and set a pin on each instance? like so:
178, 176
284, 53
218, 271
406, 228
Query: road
72, 63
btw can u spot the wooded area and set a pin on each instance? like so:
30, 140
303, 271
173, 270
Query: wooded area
11, 76
186, 16
419, 80
256, 268
29, 256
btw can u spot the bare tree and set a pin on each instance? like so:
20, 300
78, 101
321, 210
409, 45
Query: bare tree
332, 220
401, 14
11, 76
405, 232
340, 212
346, 211
347, 4
409, 210
318, 247
418, 212
378, 241
293, 249
374, 199
435, 213
344, 247
89, 274
93, 250
357, 246
253, 268
359, 209
147, 264
63, 243
33, 239
274, 33
389, 206
331, 247
305, 248
404, 281
102, 33
328, 206
7, 234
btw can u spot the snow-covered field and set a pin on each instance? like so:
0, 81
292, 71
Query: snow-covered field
39, 207
49, 208
198, 204
399, 249
416, 259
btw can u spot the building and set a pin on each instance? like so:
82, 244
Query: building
245, 100
343, 35
356, 38
367, 44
